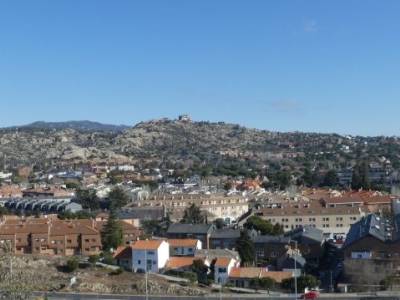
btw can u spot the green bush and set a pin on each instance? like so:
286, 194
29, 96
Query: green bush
93, 259
72, 264
117, 272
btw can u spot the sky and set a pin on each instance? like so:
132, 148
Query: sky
320, 66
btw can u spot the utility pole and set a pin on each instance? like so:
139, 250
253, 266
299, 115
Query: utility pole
295, 270
145, 273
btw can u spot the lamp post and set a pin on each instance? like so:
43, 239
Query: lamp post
145, 273
295, 270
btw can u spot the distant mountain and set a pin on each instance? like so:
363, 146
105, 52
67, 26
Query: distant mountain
85, 126
183, 144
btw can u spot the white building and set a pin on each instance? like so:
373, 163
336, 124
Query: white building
184, 247
150, 255
222, 268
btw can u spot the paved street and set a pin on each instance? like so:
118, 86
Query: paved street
69, 296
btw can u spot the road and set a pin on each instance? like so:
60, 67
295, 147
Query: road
71, 296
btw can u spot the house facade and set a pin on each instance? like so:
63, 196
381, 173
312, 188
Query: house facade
149, 255
184, 247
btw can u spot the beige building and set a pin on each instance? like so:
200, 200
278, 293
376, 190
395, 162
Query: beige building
216, 206
333, 221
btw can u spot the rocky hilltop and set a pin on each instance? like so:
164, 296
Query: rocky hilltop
167, 141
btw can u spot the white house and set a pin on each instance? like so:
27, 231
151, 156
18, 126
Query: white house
150, 255
184, 247
222, 268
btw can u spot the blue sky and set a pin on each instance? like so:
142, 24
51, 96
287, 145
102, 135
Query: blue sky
326, 66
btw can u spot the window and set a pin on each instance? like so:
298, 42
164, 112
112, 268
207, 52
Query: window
190, 250
339, 219
222, 270
139, 262
260, 252
150, 252
69, 241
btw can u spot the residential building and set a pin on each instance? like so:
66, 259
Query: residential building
150, 255
333, 221
243, 277
200, 232
184, 247
183, 264
215, 206
372, 248
223, 267
214, 254
291, 261
270, 249
51, 237
225, 238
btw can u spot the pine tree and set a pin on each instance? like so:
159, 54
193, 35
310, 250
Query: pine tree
193, 215
111, 235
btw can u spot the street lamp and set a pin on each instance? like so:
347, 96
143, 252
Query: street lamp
145, 272
295, 269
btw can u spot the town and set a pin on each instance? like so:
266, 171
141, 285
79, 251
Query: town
229, 232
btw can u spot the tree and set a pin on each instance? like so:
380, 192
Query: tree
360, 179
307, 177
266, 283
277, 229
219, 223
118, 198
281, 179
193, 215
88, 199
201, 270
93, 259
72, 264
331, 179
304, 281
263, 226
3, 211
245, 247
111, 235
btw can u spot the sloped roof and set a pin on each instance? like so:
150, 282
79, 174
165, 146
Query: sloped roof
190, 228
123, 252
226, 233
249, 273
180, 262
182, 242
280, 239
278, 276
371, 225
147, 244
223, 261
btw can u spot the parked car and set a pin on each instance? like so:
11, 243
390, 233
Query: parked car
310, 295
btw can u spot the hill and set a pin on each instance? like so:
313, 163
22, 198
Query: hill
199, 146
85, 126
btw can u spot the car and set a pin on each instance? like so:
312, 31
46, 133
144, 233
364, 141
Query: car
310, 295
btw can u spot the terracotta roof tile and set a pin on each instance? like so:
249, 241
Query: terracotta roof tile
180, 262
223, 262
182, 242
147, 245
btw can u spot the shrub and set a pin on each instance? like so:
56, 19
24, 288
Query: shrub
117, 272
93, 259
72, 264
